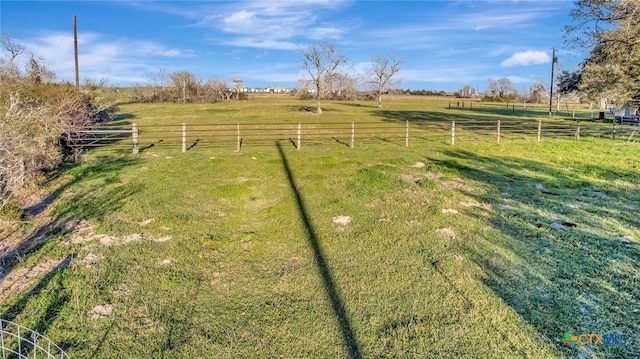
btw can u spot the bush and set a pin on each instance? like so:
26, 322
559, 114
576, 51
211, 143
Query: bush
33, 117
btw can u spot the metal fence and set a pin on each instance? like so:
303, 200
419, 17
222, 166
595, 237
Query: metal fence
17, 341
239, 135
568, 110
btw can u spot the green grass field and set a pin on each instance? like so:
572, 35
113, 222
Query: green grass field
478, 250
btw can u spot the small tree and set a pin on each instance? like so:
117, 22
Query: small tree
13, 50
506, 90
185, 83
383, 68
538, 92
321, 62
341, 87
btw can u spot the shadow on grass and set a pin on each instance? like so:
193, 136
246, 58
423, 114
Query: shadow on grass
57, 298
333, 293
580, 278
81, 205
101, 199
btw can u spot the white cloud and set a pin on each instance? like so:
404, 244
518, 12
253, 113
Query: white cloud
101, 56
526, 58
261, 43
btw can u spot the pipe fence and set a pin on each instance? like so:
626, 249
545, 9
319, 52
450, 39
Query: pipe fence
577, 111
239, 135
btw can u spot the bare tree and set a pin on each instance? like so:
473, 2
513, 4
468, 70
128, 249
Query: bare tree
37, 72
383, 68
506, 89
218, 89
341, 87
321, 62
186, 83
492, 88
538, 92
13, 49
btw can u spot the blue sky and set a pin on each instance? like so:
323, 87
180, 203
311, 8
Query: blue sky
445, 44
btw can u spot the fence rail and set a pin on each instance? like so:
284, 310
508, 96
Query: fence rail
577, 111
239, 135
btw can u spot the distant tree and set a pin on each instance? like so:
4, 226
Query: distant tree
303, 89
538, 92
217, 89
12, 49
492, 88
321, 62
186, 84
341, 87
569, 82
506, 90
37, 72
384, 67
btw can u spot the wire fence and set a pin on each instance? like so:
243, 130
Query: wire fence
570, 110
17, 341
240, 135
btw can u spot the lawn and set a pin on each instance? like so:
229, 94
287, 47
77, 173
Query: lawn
475, 250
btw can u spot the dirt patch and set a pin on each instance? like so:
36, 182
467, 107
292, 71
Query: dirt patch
625, 239
472, 204
20, 279
101, 311
446, 232
145, 222
556, 225
409, 178
88, 261
434, 176
343, 220
455, 183
82, 231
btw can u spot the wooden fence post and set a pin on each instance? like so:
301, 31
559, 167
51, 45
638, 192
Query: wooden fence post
498, 126
134, 136
406, 135
578, 130
614, 129
239, 142
184, 137
539, 130
353, 134
453, 133
299, 135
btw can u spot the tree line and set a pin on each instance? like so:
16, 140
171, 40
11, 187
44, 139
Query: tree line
330, 78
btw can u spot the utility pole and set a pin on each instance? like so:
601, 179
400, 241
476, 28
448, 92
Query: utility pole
75, 52
554, 59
